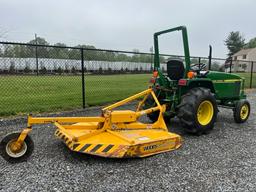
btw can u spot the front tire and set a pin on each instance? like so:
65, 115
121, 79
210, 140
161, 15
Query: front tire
15, 156
198, 111
242, 111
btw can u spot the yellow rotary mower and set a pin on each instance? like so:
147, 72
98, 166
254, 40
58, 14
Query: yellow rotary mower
114, 134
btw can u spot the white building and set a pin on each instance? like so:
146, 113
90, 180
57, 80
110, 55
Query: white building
242, 60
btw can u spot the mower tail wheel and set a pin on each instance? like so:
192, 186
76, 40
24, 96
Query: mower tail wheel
242, 111
14, 153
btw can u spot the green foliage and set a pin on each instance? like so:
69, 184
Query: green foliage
12, 67
100, 70
215, 66
73, 70
59, 70
244, 66
234, 42
66, 68
222, 68
91, 54
27, 68
43, 70
251, 43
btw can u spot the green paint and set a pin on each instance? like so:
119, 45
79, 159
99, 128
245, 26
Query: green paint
228, 88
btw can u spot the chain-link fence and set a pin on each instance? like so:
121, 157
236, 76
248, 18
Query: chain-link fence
42, 78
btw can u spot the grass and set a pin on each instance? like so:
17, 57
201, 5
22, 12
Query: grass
24, 94
247, 77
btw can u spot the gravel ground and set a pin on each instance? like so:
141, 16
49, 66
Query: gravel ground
224, 160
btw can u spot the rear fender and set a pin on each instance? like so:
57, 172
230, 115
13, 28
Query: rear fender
201, 83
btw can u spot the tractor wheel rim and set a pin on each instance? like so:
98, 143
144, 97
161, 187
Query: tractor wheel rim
244, 111
18, 153
205, 112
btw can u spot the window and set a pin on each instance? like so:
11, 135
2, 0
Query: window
244, 56
235, 58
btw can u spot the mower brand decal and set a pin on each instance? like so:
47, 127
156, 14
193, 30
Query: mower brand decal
96, 148
150, 147
160, 145
108, 148
84, 147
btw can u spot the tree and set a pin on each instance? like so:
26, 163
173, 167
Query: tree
39, 41
12, 67
215, 66
42, 51
73, 70
27, 68
43, 69
59, 70
100, 70
109, 71
234, 42
251, 43
244, 66
59, 53
66, 68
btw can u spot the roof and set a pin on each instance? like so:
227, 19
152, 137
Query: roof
244, 51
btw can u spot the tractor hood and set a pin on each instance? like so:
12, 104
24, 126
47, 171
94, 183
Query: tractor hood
214, 75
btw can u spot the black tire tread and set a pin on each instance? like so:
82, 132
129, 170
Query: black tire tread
7, 138
236, 112
187, 110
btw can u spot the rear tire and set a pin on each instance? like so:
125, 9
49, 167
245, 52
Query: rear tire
241, 111
19, 156
150, 102
198, 111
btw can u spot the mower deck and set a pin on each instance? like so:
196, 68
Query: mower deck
117, 143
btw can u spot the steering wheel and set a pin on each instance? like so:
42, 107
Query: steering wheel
197, 67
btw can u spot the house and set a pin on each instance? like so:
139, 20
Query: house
242, 60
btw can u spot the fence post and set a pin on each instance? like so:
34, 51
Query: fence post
230, 67
37, 69
251, 75
83, 84
199, 61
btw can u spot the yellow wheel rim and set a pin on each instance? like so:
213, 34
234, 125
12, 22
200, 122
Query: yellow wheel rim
244, 111
205, 112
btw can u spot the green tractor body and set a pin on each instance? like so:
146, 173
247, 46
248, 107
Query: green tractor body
193, 93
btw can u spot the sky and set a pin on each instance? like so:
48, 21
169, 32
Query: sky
129, 24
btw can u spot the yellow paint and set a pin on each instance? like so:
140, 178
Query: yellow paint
117, 133
205, 112
123, 116
227, 81
244, 111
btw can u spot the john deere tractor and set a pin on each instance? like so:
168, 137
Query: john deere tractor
193, 93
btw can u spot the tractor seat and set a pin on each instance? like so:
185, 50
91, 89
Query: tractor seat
175, 69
